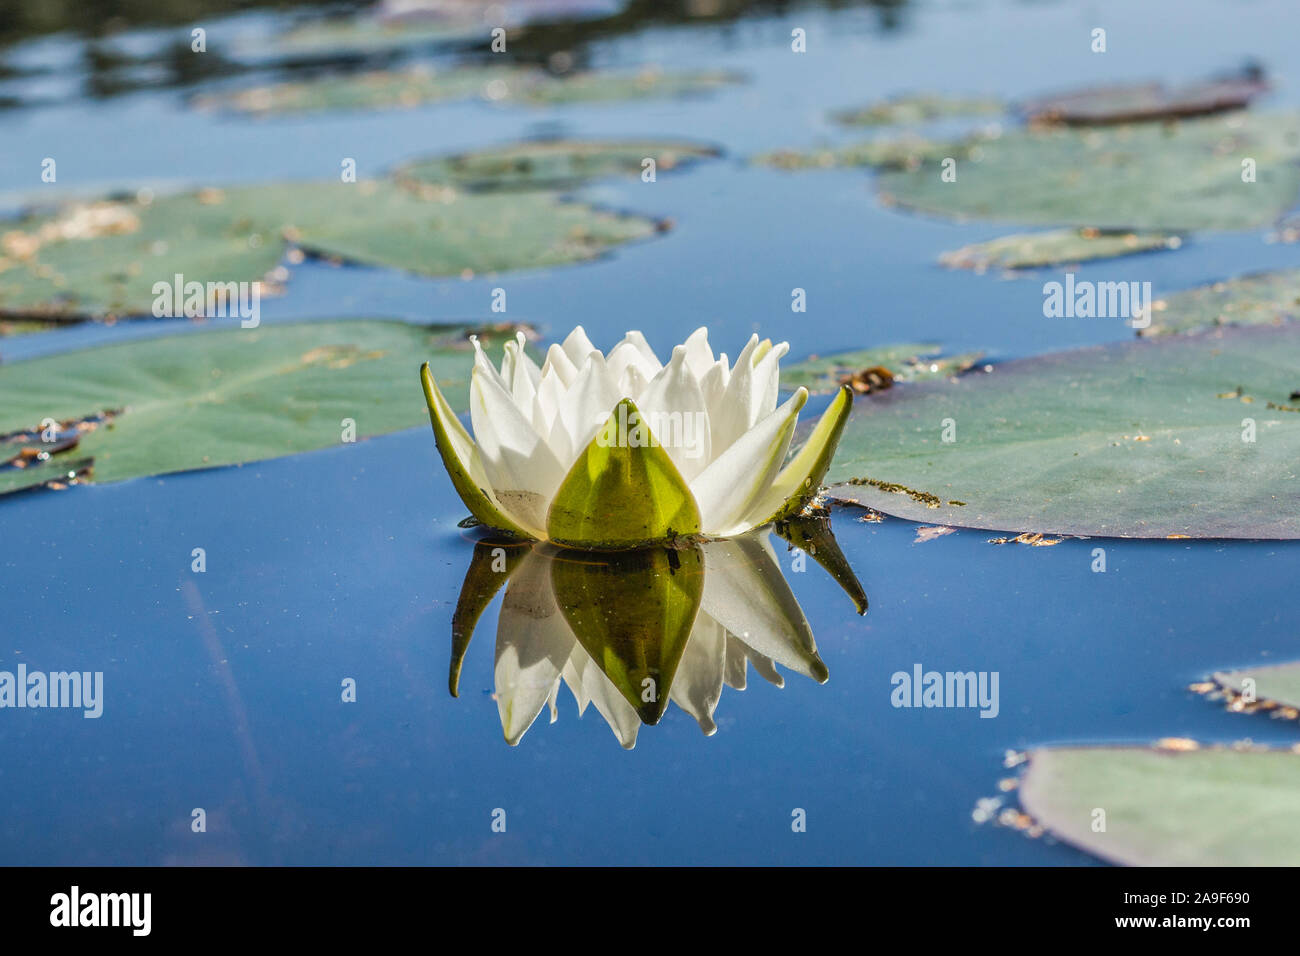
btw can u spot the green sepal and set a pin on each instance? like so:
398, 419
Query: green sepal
623, 491
457, 449
807, 469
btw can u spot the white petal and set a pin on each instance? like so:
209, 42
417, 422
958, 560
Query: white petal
699, 354
587, 405
732, 413
521, 467
673, 407
577, 346
625, 359
636, 339
481, 361
728, 488
559, 364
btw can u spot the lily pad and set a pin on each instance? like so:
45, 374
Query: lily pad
1278, 683
449, 233
902, 152
419, 86
58, 265
904, 363
426, 23
1129, 440
1177, 177
554, 164
916, 108
1199, 807
1267, 298
1146, 102
1032, 250
103, 258
226, 397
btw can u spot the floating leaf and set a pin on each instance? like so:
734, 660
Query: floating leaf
919, 108
1127, 440
103, 258
1146, 102
1278, 683
904, 363
554, 164
1032, 250
903, 152
419, 86
1169, 807
1264, 299
57, 264
384, 29
1178, 177
224, 397
382, 224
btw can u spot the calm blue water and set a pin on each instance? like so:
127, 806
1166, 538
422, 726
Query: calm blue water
223, 689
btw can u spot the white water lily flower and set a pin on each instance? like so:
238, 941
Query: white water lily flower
619, 451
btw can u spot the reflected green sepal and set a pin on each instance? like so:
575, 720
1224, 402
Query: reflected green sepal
813, 536
490, 568
633, 613
623, 491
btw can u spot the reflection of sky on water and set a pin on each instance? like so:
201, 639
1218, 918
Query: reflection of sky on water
222, 690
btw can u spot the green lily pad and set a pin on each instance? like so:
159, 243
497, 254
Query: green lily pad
226, 397
56, 264
449, 233
1267, 298
1279, 683
381, 30
419, 86
905, 363
1203, 807
1176, 177
1130, 440
917, 108
1032, 250
555, 164
103, 258
903, 152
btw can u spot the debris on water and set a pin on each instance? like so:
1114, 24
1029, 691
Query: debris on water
1029, 538
930, 532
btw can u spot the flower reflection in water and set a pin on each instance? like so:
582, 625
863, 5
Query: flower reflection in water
629, 631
